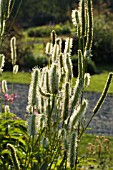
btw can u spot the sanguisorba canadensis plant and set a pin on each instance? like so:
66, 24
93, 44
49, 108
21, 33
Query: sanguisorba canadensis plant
55, 107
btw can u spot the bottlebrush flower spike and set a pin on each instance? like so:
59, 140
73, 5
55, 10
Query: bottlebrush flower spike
76, 116
61, 60
72, 149
7, 8
49, 49
68, 46
4, 86
47, 82
89, 25
14, 158
32, 124
13, 50
66, 101
56, 52
53, 37
54, 79
76, 20
6, 109
59, 42
82, 9
77, 93
33, 87
29, 109
15, 69
63, 133
2, 60
69, 68
87, 79
80, 64
4, 14
75, 17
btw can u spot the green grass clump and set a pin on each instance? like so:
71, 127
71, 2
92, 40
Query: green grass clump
20, 77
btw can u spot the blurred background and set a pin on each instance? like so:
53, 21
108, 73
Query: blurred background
32, 21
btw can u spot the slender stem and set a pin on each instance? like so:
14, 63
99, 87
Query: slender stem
15, 15
76, 160
104, 93
12, 90
54, 155
27, 154
86, 125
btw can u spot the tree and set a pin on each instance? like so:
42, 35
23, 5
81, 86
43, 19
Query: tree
36, 12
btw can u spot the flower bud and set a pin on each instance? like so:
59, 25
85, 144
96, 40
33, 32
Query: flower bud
2, 60
6, 109
13, 50
4, 86
15, 69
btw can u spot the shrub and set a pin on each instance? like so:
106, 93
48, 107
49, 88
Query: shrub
30, 61
62, 29
43, 31
26, 59
102, 48
103, 40
91, 67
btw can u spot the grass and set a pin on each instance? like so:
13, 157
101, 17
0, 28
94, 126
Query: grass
38, 43
20, 77
38, 49
98, 82
96, 85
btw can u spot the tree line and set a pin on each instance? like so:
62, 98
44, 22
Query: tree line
36, 12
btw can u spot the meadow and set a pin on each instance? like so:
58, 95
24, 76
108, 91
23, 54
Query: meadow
97, 81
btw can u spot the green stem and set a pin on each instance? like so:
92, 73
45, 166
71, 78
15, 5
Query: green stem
76, 160
49, 114
86, 126
54, 155
27, 154
100, 101
63, 160
15, 15
12, 89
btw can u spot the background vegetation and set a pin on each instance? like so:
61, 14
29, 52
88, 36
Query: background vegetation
36, 19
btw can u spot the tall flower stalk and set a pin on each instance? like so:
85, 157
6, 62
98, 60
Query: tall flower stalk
5, 7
